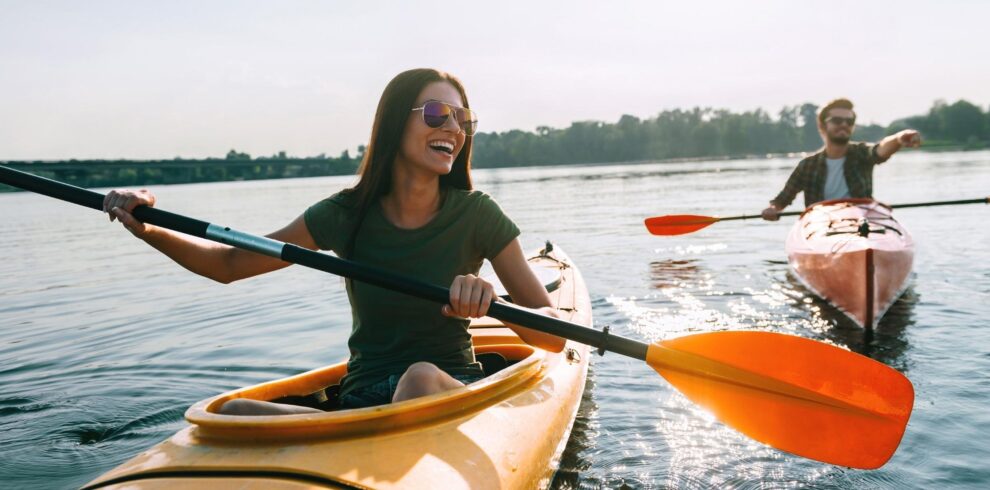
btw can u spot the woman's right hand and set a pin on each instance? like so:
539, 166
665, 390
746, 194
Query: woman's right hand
470, 297
120, 203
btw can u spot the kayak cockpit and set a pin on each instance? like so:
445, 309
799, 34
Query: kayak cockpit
524, 365
328, 399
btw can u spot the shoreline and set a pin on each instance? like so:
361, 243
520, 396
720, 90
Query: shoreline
129, 173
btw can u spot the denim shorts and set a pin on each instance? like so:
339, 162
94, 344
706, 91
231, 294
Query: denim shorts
381, 392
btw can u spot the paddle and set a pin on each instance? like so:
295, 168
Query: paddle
801, 396
682, 224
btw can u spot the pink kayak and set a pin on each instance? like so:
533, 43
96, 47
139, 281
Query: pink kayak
853, 254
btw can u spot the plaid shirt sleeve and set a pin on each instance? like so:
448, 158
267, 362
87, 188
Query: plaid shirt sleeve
797, 182
873, 157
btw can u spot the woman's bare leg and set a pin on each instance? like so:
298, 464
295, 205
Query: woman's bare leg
421, 379
244, 406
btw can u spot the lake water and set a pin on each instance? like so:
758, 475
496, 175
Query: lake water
105, 343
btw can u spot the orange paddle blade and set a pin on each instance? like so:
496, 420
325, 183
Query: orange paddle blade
804, 397
678, 224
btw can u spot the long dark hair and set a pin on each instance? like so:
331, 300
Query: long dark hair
387, 131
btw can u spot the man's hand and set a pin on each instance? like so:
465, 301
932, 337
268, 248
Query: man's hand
771, 213
909, 138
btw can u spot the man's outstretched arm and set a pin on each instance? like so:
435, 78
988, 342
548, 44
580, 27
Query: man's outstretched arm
907, 138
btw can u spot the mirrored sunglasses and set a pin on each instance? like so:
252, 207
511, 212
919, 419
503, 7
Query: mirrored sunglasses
436, 114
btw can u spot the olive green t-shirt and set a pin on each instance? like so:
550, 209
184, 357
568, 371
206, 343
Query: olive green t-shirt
391, 330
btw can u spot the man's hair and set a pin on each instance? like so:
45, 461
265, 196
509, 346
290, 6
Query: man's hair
834, 104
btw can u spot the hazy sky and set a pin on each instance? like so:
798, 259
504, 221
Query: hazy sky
142, 79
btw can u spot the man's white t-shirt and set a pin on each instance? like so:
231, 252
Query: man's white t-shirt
835, 179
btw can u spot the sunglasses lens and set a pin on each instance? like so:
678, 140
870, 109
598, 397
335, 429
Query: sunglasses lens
468, 121
435, 114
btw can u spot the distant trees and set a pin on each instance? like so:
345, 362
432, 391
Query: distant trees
234, 155
707, 132
234, 166
957, 123
671, 134
809, 129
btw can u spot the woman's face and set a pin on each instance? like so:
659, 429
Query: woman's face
432, 149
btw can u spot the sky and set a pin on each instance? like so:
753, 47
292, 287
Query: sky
152, 79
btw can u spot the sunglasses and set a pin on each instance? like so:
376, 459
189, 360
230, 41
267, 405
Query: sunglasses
839, 120
436, 114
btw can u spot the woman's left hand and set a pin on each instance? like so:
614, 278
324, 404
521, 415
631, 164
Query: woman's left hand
470, 297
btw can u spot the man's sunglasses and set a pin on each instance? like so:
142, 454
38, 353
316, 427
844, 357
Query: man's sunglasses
837, 120
436, 113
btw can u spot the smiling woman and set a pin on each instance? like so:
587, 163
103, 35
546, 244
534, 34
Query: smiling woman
413, 211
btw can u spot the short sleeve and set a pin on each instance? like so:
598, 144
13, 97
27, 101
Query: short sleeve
327, 221
493, 229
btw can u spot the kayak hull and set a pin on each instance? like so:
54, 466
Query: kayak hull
861, 276
505, 431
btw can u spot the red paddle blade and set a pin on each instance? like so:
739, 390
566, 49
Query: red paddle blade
804, 397
678, 224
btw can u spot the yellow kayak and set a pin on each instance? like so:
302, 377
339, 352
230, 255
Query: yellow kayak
504, 431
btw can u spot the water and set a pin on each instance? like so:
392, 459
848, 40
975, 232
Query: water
105, 343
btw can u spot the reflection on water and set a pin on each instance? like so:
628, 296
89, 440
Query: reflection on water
890, 339
886, 343
673, 273
574, 460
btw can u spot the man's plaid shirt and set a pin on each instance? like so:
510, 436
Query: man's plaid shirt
809, 176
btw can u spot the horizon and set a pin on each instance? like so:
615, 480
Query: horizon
354, 153
138, 80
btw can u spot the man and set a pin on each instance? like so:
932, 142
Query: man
841, 169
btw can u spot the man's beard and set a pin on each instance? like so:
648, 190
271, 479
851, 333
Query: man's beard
838, 140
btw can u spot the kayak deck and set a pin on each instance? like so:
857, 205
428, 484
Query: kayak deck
504, 431
853, 254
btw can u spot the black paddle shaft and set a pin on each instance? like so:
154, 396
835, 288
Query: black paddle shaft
298, 255
983, 200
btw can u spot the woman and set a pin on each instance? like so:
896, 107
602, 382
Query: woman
412, 211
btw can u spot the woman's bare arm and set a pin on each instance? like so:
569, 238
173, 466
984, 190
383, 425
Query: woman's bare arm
216, 261
525, 289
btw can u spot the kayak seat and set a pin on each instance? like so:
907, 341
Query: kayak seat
491, 362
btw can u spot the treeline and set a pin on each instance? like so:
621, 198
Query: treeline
236, 166
672, 134
712, 133
960, 123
